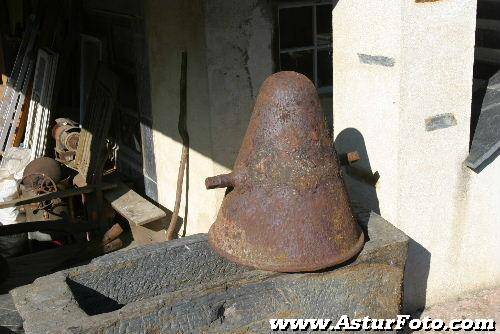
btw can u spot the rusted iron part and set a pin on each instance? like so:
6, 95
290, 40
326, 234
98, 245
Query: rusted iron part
47, 210
39, 183
66, 134
353, 157
349, 158
288, 210
70, 140
42, 166
42, 176
63, 131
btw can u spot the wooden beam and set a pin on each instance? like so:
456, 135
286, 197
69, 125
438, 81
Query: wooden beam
132, 206
47, 226
57, 194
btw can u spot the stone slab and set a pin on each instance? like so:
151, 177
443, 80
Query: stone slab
184, 287
439, 122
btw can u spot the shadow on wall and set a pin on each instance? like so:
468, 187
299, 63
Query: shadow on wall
416, 275
358, 176
360, 182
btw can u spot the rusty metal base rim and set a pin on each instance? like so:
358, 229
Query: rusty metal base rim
329, 263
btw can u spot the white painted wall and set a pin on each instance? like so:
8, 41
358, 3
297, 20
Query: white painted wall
451, 213
229, 56
174, 26
239, 57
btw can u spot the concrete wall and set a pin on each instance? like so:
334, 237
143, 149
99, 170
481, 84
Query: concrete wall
396, 64
174, 26
229, 56
239, 57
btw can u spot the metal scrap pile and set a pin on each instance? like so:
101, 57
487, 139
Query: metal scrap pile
51, 186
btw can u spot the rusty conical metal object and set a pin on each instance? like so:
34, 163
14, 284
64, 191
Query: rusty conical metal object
288, 210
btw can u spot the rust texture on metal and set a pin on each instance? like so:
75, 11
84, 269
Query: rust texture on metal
287, 209
40, 177
353, 157
40, 170
66, 134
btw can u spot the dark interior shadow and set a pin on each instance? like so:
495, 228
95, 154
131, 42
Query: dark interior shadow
5, 330
91, 301
416, 275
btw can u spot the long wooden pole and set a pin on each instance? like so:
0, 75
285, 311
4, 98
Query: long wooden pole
182, 126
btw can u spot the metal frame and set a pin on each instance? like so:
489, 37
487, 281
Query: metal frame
315, 47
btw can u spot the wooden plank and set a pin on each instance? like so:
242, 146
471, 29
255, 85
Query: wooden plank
46, 226
18, 139
57, 194
132, 206
2, 57
100, 105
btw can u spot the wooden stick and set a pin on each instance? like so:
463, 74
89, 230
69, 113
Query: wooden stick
182, 126
114, 232
57, 194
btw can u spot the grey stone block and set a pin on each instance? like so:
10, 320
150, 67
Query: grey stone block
184, 287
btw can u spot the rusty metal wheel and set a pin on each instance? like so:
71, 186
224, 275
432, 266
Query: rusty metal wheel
39, 183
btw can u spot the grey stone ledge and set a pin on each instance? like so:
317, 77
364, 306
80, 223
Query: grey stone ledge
183, 286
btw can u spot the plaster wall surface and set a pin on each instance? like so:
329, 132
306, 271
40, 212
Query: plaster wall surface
239, 59
174, 26
420, 60
229, 56
366, 96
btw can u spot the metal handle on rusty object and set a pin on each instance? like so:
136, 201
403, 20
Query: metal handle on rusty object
220, 181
